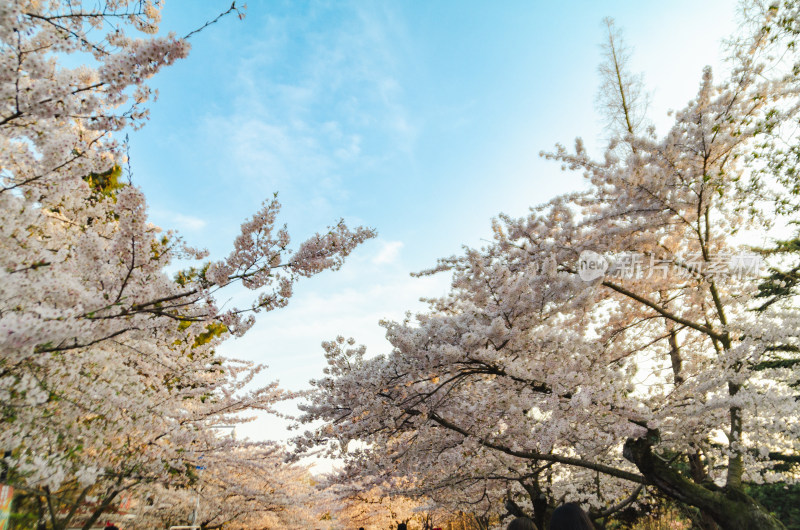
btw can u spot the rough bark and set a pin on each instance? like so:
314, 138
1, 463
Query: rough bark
730, 508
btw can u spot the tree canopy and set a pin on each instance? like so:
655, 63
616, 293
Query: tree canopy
109, 376
615, 338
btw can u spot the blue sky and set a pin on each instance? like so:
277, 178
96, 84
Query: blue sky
421, 119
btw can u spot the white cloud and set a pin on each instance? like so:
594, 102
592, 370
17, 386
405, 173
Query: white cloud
311, 115
389, 252
187, 222
177, 221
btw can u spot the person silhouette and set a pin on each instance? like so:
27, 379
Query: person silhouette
570, 516
522, 523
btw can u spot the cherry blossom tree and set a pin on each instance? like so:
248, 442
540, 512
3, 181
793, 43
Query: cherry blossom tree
456, 473
353, 503
614, 333
109, 376
251, 487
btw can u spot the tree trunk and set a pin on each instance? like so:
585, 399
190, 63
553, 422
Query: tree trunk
699, 475
541, 508
730, 508
102, 508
